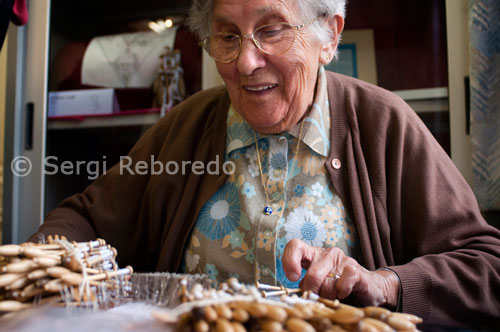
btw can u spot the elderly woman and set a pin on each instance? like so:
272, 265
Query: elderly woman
334, 182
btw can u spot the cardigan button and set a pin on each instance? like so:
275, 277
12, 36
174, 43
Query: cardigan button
336, 163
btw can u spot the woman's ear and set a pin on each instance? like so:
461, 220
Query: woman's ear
336, 25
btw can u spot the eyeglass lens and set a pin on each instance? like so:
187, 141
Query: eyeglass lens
273, 39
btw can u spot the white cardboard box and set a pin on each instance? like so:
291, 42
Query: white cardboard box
82, 102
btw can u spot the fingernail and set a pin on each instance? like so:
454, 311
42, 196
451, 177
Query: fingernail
292, 276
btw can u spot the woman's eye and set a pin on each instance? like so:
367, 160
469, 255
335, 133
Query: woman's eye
270, 31
229, 38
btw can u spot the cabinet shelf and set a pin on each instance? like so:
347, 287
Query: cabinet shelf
143, 117
421, 100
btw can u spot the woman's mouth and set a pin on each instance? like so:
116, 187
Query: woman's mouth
259, 88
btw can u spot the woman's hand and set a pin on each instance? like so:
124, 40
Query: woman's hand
368, 287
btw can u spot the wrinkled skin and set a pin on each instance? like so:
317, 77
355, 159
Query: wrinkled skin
292, 75
368, 287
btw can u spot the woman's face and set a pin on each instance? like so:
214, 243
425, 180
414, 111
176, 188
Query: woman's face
272, 92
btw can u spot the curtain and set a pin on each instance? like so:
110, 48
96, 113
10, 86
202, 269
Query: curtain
484, 27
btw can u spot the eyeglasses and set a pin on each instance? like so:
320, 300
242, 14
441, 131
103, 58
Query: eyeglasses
274, 39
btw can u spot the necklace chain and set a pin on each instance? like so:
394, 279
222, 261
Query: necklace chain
280, 194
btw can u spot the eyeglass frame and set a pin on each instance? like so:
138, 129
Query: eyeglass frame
255, 41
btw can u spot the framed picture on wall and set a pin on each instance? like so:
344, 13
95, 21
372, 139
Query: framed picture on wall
347, 62
356, 56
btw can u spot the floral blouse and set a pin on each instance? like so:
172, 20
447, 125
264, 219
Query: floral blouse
233, 237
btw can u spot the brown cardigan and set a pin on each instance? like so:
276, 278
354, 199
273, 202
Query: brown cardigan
414, 211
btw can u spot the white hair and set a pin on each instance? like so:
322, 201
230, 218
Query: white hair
200, 16
311, 9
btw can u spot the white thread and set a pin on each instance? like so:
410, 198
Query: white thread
75, 252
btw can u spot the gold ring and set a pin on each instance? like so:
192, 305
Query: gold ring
333, 275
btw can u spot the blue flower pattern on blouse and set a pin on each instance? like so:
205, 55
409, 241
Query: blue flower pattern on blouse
248, 190
221, 214
299, 190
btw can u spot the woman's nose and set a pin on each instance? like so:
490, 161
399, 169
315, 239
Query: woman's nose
250, 57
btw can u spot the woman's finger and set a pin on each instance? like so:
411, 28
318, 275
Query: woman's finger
349, 279
296, 255
324, 263
329, 288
